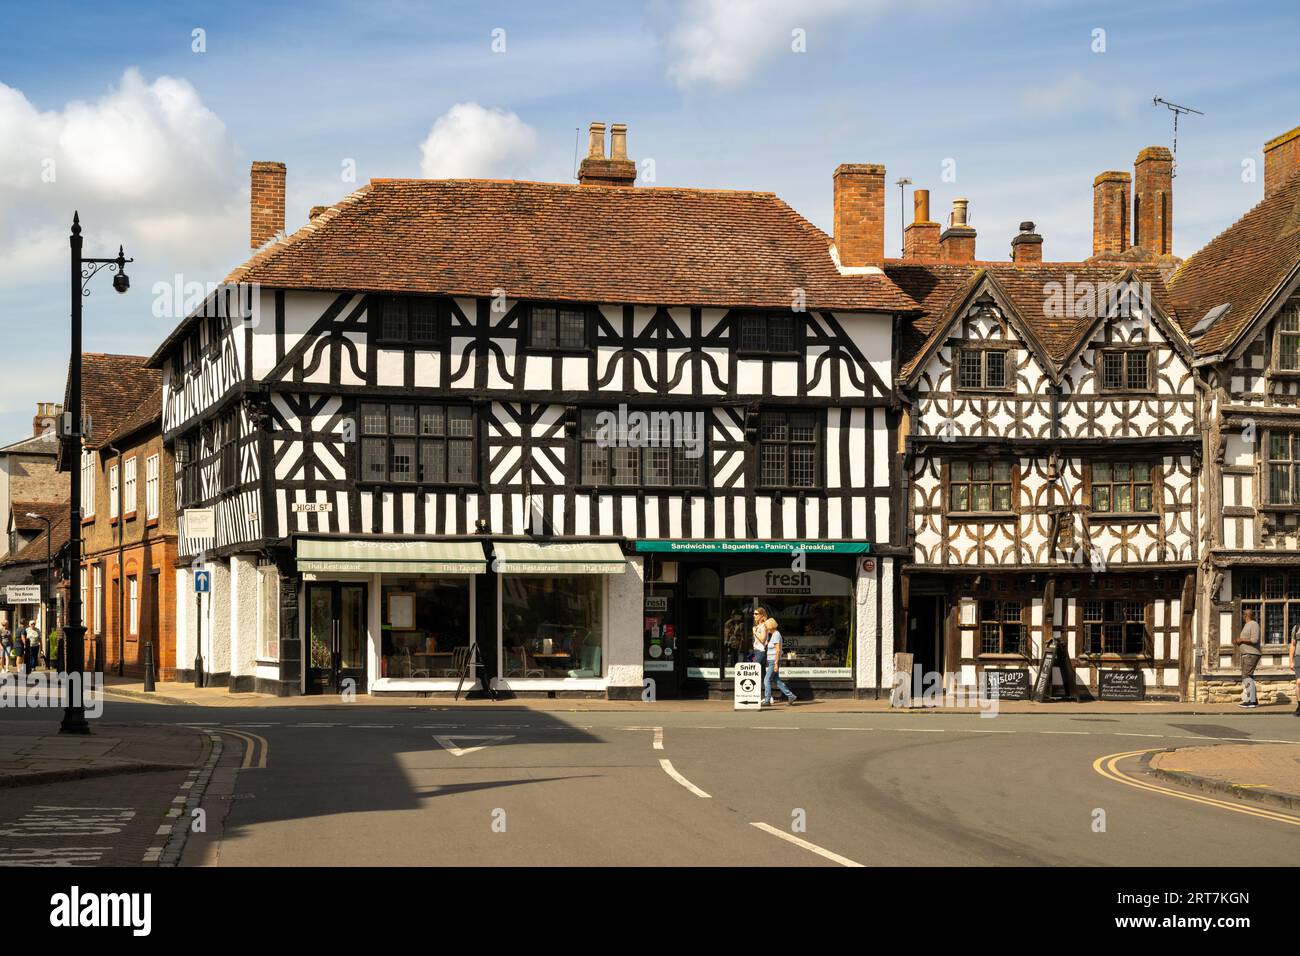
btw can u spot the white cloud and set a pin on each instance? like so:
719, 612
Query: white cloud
722, 42
141, 155
472, 141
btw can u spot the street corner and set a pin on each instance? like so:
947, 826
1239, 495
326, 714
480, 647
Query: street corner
1264, 771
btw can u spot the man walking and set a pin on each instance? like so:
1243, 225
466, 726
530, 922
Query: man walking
1295, 640
1248, 641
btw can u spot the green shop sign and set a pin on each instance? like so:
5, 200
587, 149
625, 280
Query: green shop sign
755, 547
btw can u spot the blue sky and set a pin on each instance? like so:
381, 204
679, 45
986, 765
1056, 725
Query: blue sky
111, 110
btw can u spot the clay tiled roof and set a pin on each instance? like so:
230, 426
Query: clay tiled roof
112, 387
50, 509
148, 412
1241, 267
34, 552
938, 288
571, 243
35, 445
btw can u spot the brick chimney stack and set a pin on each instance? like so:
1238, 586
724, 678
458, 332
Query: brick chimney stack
921, 237
860, 214
266, 207
1281, 160
957, 244
1110, 205
598, 170
1153, 202
1027, 245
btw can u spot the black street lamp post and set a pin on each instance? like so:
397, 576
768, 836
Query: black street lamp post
83, 269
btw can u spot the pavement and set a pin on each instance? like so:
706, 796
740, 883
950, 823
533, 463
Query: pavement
1269, 773
34, 752
188, 695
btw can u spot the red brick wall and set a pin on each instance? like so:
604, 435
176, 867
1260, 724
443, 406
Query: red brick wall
1110, 204
266, 207
1153, 188
860, 214
1281, 160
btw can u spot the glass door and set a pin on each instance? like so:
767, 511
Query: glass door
336, 638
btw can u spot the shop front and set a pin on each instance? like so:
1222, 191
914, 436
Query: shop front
388, 616
699, 603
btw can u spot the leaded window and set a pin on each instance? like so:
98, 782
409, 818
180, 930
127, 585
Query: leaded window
1126, 370
1274, 597
767, 333
1121, 487
982, 368
557, 327
979, 487
1288, 339
1002, 627
1284, 468
651, 449
417, 444
410, 319
788, 449
1114, 626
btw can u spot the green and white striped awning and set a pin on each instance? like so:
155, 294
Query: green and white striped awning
391, 557
588, 557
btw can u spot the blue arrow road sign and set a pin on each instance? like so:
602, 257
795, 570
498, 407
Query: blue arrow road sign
202, 582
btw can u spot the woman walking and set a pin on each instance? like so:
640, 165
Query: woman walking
774, 665
759, 651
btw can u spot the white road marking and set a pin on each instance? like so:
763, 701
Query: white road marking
920, 730
672, 772
1119, 733
313, 725
659, 739
252, 725
820, 851
371, 726
1082, 733
990, 731
52, 856
488, 740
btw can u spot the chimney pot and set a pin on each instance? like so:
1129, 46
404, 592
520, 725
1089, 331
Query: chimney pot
921, 237
266, 203
957, 244
617, 169
860, 214
1027, 245
596, 141
1281, 160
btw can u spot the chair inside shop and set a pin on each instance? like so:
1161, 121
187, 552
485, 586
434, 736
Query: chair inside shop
589, 661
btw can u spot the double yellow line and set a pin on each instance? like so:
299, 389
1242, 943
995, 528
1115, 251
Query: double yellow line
1107, 767
255, 747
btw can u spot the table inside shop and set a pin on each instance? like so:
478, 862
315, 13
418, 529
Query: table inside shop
556, 659
437, 662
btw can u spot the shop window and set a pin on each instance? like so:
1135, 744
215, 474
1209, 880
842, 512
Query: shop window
982, 369
426, 623
1127, 370
1121, 487
1288, 339
812, 608
1284, 468
1275, 600
767, 334
979, 487
417, 444
1114, 627
788, 449
562, 328
665, 452
1002, 627
268, 621
410, 320
552, 626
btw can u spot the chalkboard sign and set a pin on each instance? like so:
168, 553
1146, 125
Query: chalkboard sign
1121, 685
1007, 684
1043, 685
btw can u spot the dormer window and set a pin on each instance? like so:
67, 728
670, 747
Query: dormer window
1126, 370
982, 369
558, 328
767, 333
410, 320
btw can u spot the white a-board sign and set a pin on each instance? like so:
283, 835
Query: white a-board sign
749, 686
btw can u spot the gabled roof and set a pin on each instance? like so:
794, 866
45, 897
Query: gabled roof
34, 552
563, 242
1032, 292
111, 389
1246, 267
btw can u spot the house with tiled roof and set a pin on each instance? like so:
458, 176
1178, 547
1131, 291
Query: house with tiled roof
1052, 449
552, 438
1238, 299
30, 484
112, 388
